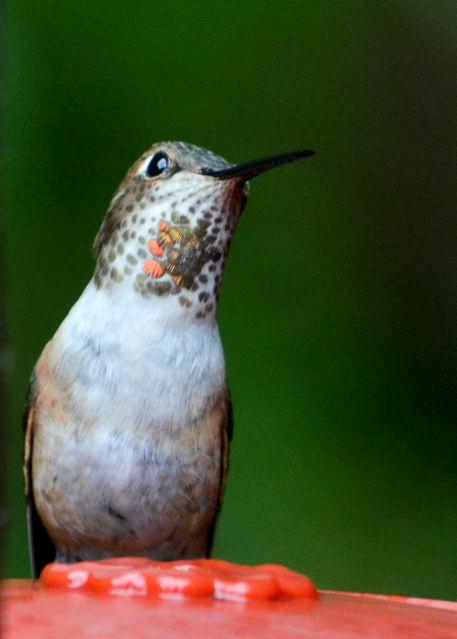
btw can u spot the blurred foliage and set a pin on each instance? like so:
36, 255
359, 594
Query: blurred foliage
339, 306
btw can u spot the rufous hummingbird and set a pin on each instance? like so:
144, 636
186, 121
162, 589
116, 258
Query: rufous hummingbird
129, 418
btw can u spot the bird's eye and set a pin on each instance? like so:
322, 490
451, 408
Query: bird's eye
158, 164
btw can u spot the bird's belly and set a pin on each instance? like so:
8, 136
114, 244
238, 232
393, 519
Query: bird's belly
102, 491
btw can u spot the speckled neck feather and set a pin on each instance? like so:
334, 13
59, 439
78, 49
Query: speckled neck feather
170, 237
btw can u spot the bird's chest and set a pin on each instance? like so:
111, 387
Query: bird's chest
127, 443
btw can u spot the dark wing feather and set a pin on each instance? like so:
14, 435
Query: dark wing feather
41, 548
226, 438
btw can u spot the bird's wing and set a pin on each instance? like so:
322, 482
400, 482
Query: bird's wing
41, 548
226, 438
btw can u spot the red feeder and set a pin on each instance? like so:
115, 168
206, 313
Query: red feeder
141, 598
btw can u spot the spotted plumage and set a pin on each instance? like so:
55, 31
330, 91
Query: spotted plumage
129, 417
178, 224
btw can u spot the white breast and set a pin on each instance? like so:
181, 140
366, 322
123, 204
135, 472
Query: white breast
134, 358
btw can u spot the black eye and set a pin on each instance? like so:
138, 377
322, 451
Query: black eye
157, 165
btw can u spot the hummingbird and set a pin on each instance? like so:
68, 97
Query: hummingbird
129, 418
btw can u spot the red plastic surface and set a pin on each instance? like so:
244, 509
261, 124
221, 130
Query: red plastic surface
57, 611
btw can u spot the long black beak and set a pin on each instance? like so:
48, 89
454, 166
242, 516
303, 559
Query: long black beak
257, 167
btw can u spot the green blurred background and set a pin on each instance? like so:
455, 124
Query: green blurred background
339, 305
